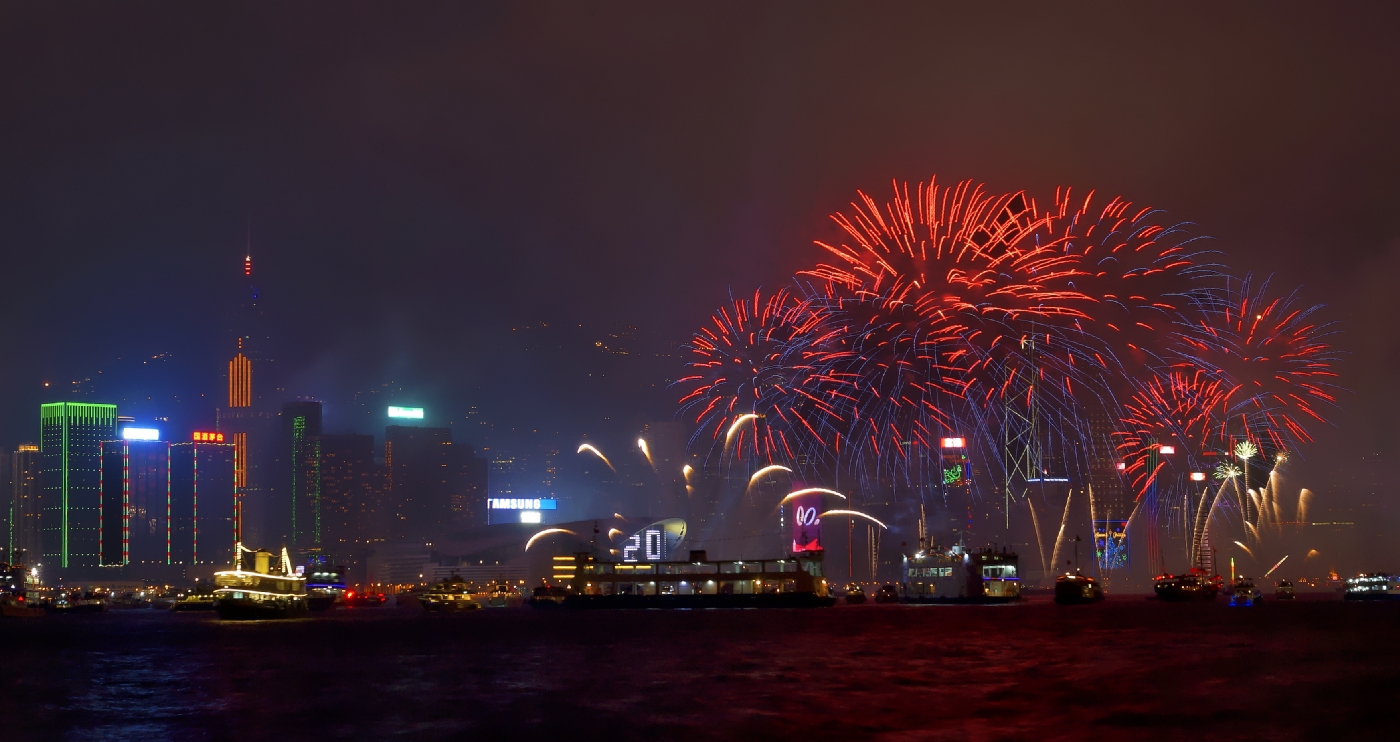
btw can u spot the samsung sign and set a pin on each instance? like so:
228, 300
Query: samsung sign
522, 503
410, 413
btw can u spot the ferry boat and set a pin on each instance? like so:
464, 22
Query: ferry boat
1077, 588
790, 582
325, 585
1243, 592
15, 596
452, 594
957, 575
1377, 586
1194, 586
263, 593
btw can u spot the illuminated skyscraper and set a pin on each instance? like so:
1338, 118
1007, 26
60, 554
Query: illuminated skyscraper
70, 446
295, 497
135, 522
203, 501
24, 537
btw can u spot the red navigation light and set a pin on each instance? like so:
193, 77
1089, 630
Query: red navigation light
248, 265
205, 437
1166, 450
349, 593
953, 443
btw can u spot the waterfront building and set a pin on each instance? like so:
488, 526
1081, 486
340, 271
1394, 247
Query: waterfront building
135, 505
70, 448
25, 545
204, 502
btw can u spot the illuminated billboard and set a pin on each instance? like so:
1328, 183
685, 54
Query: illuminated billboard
655, 543
1111, 543
522, 503
407, 413
206, 437
807, 523
140, 434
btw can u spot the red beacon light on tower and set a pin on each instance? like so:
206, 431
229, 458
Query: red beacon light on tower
248, 265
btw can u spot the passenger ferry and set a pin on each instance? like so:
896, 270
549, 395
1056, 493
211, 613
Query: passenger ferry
791, 582
262, 593
957, 575
1378, 586
452, 594
325, 585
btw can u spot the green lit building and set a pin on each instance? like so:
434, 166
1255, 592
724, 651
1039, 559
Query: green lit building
70, 452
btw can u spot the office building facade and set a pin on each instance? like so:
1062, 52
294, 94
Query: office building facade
204, 503
25, 545
70, 449
136, 507
435, 484
295, 495
354, 509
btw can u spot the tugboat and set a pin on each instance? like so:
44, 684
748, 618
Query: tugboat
1377, 586
1243, 592
1075, 589
452, 594
1194, 586
1284, 591
262, 593
960, 576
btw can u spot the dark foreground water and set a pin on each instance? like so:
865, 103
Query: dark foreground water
1128, 668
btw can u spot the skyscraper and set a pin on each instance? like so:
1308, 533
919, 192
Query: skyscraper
70, 446
24, 545
350, 488
203, 502
293, 493
435, 484
135, 521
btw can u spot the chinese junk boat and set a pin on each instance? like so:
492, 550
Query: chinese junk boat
792, 582
960, 576
1196, 585
262, 593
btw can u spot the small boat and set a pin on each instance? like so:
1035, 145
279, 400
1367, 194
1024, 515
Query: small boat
363, 600
325, 585
548, 596
502, 594
18, 606
1373, 586
263, 593
1077, 588
195, 601
1243, 592
1284, 591
77, 602
1194, 586
452, 594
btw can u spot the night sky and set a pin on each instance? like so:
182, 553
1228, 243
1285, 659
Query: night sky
419, 180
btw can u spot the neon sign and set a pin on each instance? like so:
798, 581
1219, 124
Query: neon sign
206, 437
408, 413
522, 503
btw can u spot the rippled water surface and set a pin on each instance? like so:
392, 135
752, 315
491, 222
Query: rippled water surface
1128, 668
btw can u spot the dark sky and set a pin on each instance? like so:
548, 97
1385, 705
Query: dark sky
422, 178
